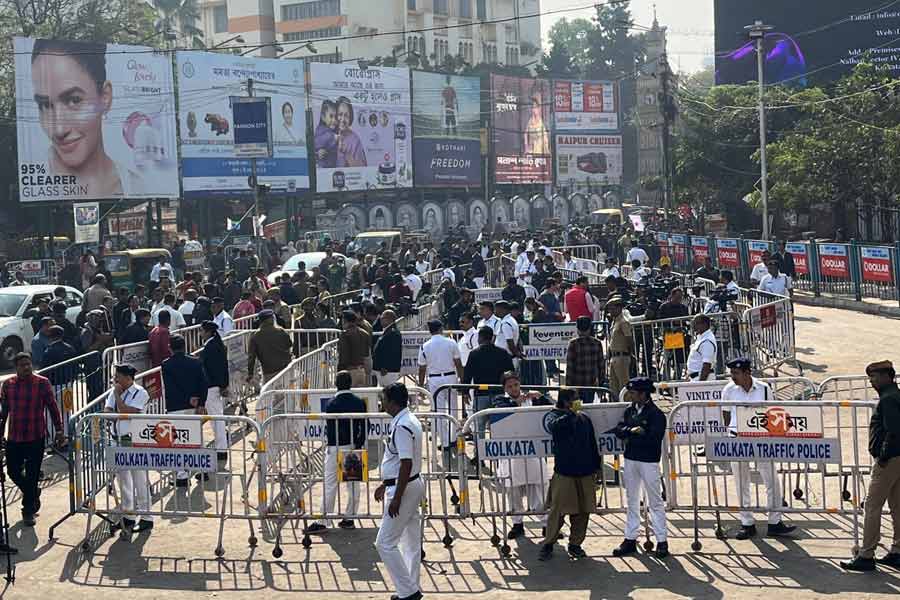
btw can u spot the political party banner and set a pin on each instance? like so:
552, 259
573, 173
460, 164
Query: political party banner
87, 222
362, 129
876, 264
94, 121
755, 250
446, 130
700, 249
796, 450
525, 434
585, 105
132, 458
800, 256
691, 424
549, 342
833, 261
727, 254
211, 166
778, 421
252, 119
520, 113
588, 159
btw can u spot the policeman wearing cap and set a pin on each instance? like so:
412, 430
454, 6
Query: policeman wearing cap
642, 429
221, 317
440, 364
746, 389
884, 446
214, 357
621, 345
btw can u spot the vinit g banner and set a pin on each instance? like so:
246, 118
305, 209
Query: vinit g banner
446, 130
585, 106
94, 121
582, 159
210, 165
521, 122
362, 131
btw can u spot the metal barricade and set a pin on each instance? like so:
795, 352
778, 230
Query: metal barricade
419, 320
137, 355
76, 382
848, 388
770, 334
314, 370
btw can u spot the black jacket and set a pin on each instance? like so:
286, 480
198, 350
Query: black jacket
388, 351
451, 319
487, 364
478, 267
646, 447
884, 428
183, 378
136, 332
339, 430
514, 293
214, 357
55, 354
574, 443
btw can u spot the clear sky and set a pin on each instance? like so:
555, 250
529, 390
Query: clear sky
690, 24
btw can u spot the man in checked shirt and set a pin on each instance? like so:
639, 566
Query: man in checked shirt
24, 400
584, 360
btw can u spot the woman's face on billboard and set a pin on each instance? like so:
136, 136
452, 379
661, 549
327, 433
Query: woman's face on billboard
71, 108
344, 118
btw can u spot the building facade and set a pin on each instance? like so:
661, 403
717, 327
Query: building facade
651, 170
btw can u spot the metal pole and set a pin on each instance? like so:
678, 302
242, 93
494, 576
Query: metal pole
257, 230
764, 184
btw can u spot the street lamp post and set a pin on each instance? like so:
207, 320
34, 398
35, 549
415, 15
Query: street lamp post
757, 32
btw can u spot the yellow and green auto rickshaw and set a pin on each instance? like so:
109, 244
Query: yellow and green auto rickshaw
131, 267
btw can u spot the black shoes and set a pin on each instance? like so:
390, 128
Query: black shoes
316, 528
662, 550
627, 547
142, 526
576, 551
517, 530
891, 560
28, 520
546, 552
779, 529
559, 535
347, 524
746, 532
181, 483
859, 564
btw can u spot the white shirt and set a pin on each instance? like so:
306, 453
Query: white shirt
414, 282
508, 330
775, 285
734, 288
154, 272
759, 271
640, 273
225, 323
759, 393
448, 273
422, 266
134, 397
438, 355
637, 253
703, 351
186, 308
530, 291
467, 343
177, 318
614, 271
523, 264
493, 322
571, 265
405, 442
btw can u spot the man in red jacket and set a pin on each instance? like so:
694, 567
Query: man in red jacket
579, 302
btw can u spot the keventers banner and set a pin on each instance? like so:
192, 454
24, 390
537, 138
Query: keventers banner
876, 264
362, 127
585, 106
94, 121
87, 223
206, 83
446, 130
588, 159
520, 109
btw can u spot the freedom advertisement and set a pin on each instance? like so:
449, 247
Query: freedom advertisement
362, 127
585, 105
833, 261
520, 112
801, 258
94, 121
727, 254
446, 130
588, 159
549, 342
210, 165
876, 264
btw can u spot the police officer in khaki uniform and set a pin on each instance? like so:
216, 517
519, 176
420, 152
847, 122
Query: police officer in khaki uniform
621, 346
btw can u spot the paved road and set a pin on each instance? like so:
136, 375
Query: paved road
178, 557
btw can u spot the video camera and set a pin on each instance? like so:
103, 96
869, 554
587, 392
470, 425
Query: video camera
722, 296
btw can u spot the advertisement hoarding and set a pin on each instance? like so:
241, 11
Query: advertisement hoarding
520, 113
252, 119
700, 249
87, 222
585, 105
798, 251
210, 165
362, 127
94, 121
588, 159
833, 261
446, 130
755, 250
876, 264
727, 254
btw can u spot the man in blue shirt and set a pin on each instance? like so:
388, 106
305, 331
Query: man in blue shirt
186, 388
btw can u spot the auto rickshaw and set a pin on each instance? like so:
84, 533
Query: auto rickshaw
131, 267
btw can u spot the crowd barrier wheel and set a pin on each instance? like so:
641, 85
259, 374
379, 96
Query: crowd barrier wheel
423, 553
798, 494
648, 545
277, 552
454, 499
219, 551
252, 541
495, 540
720, 534
307, 541
846, 495
448, 541
85, 546
696, 546
505, 550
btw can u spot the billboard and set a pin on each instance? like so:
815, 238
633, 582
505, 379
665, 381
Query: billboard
813, 41
588, 158
520, 112
94, 121
446, 130
252, 120
362, 127
206, 83
585, 106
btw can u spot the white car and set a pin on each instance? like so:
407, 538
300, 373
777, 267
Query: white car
312, 259
16, 304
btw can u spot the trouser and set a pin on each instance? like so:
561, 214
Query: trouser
399, 540
445, 402
774, 499
215, 405
884, 485
386, 379
331, 485
23, 463
619, 367
578, 529
135, 489
187, 411
358, 377
534, 492
644, 475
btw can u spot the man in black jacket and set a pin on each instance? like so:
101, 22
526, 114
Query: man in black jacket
388, 351
884, 485
185, 385
344, 436
139, 331
58, 351
214, 357
70, 332
485, 366
463, 305
642, 429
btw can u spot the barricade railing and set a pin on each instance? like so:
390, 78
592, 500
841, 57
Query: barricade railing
75, 383
811, 457
848, 388
770, 338
419, 320
494, 271
313, 370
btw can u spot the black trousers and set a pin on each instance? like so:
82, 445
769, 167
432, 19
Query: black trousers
23, 463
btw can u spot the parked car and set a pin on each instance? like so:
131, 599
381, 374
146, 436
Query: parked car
16, 307
312, 259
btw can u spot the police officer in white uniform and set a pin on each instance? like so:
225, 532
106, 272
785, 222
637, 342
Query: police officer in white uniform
488, 318
745, 388
399, 541
702, 357
642, 429
469, 339
439, 364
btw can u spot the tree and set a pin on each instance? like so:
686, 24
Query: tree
572, 38
558, 63
180, 16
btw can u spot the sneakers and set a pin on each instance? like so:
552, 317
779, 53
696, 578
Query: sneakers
576, 551
142, 526
662, 550
546, 552
779, 529
316, 528
859, 564
746, 532
518, 530
347, 524
891, 559
627, 547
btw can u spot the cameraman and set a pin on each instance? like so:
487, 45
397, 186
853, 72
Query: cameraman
674, 308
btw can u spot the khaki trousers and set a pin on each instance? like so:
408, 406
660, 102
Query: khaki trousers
619, 374
884, 485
